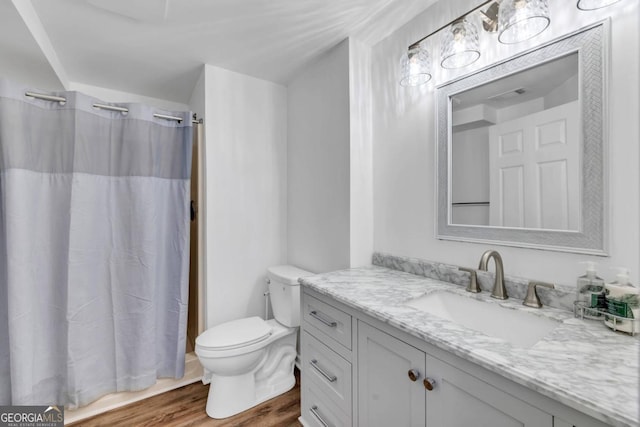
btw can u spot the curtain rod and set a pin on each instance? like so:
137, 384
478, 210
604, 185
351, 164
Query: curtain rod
59, 99
63, 100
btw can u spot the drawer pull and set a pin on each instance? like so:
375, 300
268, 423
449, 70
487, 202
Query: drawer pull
414, 374
314, 411
329, 323
429, 383
329, 377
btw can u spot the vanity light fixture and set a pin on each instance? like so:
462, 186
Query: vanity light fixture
490, 17
461, 46
520, 20
595, 4
514, 20
415, 66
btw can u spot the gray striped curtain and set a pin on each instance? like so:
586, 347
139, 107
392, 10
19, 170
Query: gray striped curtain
94, 248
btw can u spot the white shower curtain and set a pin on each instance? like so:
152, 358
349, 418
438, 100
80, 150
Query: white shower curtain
94, 248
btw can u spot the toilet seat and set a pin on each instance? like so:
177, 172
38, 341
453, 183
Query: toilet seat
234, 334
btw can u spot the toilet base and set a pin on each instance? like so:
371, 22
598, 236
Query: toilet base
223, 408
218, 406
275, 388
230, 395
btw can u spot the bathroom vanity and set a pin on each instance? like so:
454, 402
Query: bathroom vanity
370, 357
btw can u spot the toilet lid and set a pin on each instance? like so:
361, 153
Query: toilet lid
234, 334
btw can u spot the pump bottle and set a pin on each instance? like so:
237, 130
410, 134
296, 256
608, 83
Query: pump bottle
590, 290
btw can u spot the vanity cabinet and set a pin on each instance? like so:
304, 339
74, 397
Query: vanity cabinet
460, 399
326, 367
386, 394
392, 390
360, 371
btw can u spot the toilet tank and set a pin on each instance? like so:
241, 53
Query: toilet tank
285, 293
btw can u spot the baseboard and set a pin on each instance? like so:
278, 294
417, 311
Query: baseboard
192, 374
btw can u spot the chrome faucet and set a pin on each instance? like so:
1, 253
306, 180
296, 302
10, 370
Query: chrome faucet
499, 291
473, 280
532, 299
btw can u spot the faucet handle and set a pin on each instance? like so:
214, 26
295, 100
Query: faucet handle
532, 299
473, 281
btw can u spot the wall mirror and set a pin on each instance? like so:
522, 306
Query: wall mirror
521, 149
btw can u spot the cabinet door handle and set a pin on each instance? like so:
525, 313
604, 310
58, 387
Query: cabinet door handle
329, 323
429, 383
314, 411
414, 374
329, 377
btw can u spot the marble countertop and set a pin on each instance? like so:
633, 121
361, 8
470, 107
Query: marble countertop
581, 363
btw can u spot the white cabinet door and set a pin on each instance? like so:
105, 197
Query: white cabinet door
535, 170
386, 395
461, 400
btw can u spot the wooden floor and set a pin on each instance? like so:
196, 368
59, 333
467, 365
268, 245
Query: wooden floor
186, 407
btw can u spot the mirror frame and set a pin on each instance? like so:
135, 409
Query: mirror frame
592, 45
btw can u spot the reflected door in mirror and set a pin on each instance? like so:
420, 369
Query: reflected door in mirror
534, 170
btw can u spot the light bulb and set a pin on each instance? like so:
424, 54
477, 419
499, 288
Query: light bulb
415, 67
460, 46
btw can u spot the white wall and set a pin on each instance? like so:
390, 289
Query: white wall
197, 100
361, 155
246, 142
470, 175
405, 147
520, 110
318, 157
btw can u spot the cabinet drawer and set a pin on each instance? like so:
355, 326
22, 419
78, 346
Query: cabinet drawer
329, 320
319, 411
329, 372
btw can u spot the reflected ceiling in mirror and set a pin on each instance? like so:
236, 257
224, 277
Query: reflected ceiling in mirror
521, 149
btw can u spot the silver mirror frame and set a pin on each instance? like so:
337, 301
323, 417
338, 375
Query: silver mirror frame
592, 45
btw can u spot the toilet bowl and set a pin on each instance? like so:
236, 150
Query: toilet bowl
248, 361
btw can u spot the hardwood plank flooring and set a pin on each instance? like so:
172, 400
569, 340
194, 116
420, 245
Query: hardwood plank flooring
186, 407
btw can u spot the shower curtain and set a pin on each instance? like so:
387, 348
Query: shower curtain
94, 248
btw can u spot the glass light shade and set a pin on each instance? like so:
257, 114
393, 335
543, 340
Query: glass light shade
415, 67
520, 20
460, 46
594, 4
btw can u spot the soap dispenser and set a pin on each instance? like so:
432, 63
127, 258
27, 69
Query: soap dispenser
623, 301
590, 291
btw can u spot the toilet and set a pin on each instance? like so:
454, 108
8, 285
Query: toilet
248, 361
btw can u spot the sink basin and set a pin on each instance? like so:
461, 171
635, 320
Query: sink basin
519, 328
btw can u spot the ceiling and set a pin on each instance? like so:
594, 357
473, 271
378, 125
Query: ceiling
534, 82
157, 47
20, 53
